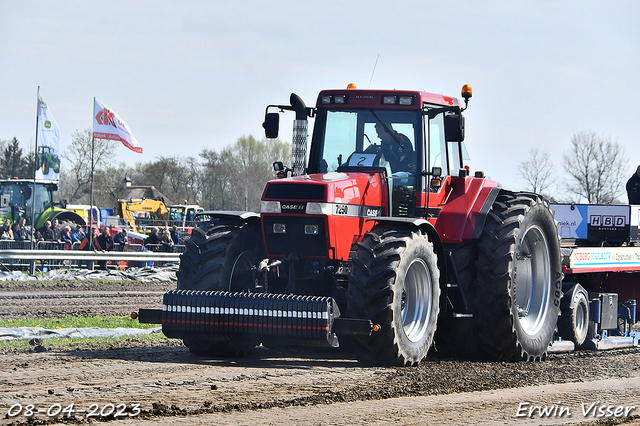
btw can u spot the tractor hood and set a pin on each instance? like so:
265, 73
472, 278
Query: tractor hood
322, 215
334, 193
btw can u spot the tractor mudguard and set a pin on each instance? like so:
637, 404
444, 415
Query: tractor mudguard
250, 218
482, 217
569, 290
425, 226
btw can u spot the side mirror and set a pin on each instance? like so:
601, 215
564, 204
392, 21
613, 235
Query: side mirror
271, 125
278, 166
454, 127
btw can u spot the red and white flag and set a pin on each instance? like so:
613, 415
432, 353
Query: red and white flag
108, 125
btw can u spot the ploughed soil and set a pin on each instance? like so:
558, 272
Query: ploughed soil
136, 380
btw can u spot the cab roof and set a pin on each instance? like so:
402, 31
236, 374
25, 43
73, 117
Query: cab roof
395, 99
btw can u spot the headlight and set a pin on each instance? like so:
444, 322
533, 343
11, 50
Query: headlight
318, 208
311, 229
389, 100
270, 207
279, 228
406, 100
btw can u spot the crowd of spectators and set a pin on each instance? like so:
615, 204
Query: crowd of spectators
162, 239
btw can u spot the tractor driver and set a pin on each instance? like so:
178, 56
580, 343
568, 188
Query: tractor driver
397, 149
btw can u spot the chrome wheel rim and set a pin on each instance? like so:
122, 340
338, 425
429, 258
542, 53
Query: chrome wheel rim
416, 301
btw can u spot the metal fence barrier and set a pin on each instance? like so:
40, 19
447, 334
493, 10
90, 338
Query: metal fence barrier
18, 255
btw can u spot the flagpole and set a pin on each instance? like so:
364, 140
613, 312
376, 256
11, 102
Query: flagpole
35, 169
91, 194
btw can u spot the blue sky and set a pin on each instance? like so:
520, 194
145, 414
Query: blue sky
189, 75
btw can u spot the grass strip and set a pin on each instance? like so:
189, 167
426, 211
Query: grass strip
75, 322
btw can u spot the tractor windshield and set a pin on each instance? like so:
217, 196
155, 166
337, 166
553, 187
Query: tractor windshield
390, 135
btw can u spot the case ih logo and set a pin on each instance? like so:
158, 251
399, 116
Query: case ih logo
105, 117
607, 221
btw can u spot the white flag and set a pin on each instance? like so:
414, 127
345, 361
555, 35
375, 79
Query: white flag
48, 144
108, 125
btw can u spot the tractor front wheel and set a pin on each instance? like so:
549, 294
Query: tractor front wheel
395, 284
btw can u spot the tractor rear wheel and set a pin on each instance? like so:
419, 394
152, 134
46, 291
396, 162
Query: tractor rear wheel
220, 257
395, 284
519, 278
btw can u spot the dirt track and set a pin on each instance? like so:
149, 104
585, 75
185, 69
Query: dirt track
287, 386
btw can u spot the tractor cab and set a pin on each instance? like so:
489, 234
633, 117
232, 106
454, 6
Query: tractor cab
413, 139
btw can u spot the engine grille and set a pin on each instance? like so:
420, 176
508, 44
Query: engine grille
295, 191
295, 240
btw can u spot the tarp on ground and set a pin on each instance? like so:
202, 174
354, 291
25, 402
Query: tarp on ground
145, 274
24, 333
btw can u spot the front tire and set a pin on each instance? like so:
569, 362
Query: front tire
395, 284
220, 257
518, 288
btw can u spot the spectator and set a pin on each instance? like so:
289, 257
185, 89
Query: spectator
84, 244
153, 240
26, 231
120, 240
633, 187
57, 235
77, 235
7, 233
65, 235
18, 232
175, 237
105, 241
47, 232
165, 239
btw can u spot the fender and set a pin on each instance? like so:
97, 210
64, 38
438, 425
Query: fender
484, 211
250, 218
425, 226
570, 290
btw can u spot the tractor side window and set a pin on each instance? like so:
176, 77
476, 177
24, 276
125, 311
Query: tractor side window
438, 145
455, 150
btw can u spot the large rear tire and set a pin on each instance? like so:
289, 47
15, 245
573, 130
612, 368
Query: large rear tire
220, 257
519, 283
395, 284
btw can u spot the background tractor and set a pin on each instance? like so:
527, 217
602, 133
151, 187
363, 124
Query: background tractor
17, 200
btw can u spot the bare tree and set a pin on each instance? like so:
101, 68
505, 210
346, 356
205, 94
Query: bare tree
536, 171
595, 164
76, 171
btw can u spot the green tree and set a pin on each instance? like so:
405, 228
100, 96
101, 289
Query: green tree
14, 163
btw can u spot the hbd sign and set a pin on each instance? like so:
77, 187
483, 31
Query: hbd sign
607, 221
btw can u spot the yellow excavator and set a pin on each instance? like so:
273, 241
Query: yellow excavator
143, 213
140, 213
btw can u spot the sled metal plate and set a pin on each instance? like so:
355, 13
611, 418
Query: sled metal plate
218, 315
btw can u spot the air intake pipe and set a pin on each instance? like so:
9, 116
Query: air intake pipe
299, 143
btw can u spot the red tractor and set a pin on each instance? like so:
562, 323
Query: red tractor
381, 239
